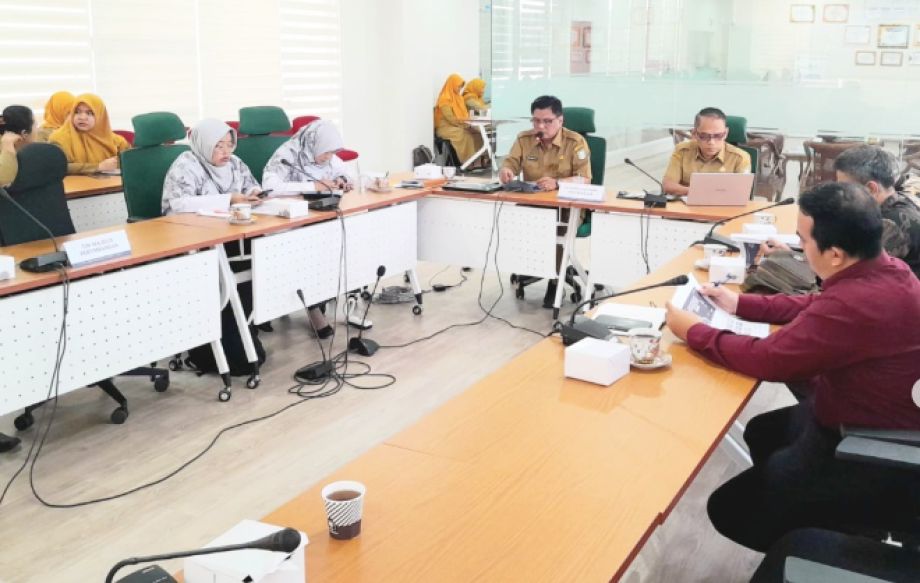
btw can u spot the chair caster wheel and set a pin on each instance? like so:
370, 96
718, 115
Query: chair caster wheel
417, 310
24, 421
514, 278
160, 384
119, 415
253, 382
555, 313
406, 278
575, 297
175, 364
366, 296
223, 396
519, 293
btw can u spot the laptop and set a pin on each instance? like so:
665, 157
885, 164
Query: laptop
720, 189
481, 187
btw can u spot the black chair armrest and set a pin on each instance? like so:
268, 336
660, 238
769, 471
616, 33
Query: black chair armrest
903, 436
879, 452
137, 219
804, 571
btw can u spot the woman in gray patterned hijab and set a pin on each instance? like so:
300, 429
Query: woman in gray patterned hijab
309, 156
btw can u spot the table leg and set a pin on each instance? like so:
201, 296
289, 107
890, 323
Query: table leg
568, 250
228, 282
485, 148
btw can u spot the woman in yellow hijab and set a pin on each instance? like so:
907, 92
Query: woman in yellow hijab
56, 111
473, 95
449, 115
87, 138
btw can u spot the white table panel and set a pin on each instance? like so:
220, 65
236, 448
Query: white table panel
102, 210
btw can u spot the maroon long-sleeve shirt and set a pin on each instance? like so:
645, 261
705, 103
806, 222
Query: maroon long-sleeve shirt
857, 343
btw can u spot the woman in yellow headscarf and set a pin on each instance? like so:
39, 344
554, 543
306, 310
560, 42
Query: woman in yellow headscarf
87, 138
473, 95
449, 115
56, 111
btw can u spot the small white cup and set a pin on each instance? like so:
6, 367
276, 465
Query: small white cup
711, 250
644, 345
448, 172
344, 502
241, 212
764, 218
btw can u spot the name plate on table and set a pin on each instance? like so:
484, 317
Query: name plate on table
97, 248
587, 192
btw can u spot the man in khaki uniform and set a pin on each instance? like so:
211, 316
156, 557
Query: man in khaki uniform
548, 154
706, 152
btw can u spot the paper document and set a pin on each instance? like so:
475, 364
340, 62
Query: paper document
576, 191
649, 314
688, 297
204, 202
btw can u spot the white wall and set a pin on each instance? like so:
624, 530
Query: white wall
396, 56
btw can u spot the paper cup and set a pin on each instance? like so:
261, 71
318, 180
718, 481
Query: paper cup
644, 345
711, 250
448, 172
344, 503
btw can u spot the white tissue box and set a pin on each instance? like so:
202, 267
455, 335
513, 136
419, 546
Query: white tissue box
602, 362
7, 267
289, 208
252, 565
726, 270
759, 229
428, 171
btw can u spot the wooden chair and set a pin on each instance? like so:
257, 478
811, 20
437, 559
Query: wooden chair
819, 162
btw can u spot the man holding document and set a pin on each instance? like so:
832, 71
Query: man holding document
856, 345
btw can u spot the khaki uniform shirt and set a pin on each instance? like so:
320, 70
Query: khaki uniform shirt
686, 160
566, 156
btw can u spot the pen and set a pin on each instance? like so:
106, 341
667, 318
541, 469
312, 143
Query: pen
727, 279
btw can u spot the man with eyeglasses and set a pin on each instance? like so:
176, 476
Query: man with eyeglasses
706, 152
548, 154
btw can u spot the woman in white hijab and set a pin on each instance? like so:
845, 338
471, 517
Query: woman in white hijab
209, 169
308, 159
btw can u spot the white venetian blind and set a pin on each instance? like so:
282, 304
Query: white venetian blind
44, 47
521, 39
311, 58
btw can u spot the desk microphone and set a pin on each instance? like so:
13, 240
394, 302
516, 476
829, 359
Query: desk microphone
46, 261
659, 200
328, 203
711, 237
283, 541
573, 331
366, 346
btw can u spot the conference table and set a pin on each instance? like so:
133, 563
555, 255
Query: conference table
530, 476
95, 201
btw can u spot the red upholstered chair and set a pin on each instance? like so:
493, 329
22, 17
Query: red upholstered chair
301, 121
235, 125
126, 134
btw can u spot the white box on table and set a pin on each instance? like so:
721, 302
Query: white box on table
602, 362
726, 270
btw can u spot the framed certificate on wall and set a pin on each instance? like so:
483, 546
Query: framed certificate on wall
836, 13
893, 36
802, 13
865, 58
892, 59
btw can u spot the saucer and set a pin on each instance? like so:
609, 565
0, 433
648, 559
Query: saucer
243, 222
661, 361
701, 264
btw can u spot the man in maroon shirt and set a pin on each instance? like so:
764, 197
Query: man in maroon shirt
857, 344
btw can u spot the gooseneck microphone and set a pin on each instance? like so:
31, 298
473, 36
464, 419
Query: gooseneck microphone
46, 261
574, 331
302, 170
326, 203
283, 541
711, 237
366, 346
651, 200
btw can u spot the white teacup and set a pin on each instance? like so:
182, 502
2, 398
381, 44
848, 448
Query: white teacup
764, 218
380, 183
241, 211
448, 172
711, 250
644, 345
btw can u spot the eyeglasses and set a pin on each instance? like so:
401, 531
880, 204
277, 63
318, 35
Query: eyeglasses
225, 146
542, 122
710, 137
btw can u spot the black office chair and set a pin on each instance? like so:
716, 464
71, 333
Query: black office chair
815, 555
445, 154
39, 187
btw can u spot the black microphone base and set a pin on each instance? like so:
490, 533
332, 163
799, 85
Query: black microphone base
318, 371
363, 346
151, 574
330, 203
722, 240
46, 262
655, 201
583, 328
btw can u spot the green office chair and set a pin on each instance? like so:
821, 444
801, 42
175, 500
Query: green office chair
258, 145
144, 167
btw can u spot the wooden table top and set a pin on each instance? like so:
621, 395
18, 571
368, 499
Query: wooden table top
80, 185
150, 240
530, 476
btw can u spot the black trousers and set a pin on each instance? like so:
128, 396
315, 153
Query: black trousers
796, 482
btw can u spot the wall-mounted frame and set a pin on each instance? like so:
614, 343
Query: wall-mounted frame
802, 13
837, 13
913, 59
893, 36
891, 59
865, 58
858, 35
